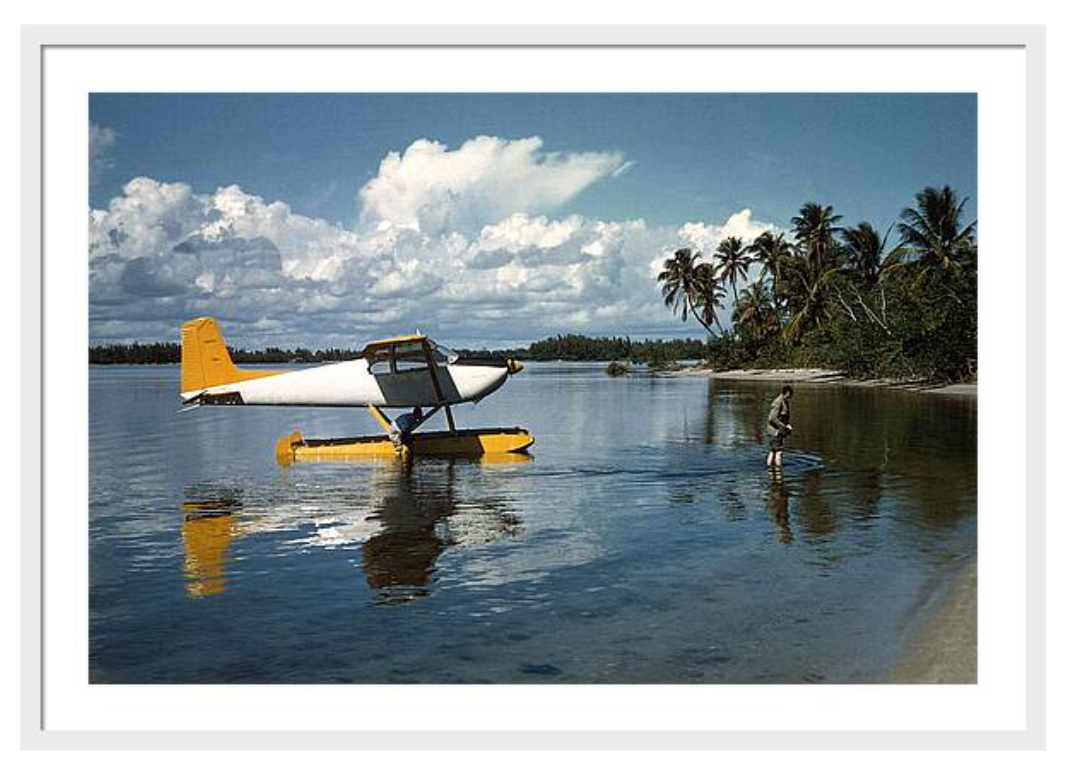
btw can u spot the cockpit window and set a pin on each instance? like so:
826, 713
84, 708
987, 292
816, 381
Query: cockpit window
405, 357
410, 357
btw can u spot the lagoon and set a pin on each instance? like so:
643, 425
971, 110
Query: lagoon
643, 542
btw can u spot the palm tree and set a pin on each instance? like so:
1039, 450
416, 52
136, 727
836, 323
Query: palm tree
734, 262
814, 230
864, 250
709, 296
809, 295
687, 284
772, 251
755, 315
933, 232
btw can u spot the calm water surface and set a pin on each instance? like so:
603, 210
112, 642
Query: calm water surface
643, 542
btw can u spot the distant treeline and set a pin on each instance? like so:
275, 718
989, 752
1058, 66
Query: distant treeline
563, 347
576, 347
169, 352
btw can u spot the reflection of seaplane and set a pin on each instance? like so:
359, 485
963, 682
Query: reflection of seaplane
208, 528
406, 522
402, 372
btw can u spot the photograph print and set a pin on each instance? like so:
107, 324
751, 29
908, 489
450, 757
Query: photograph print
532, 388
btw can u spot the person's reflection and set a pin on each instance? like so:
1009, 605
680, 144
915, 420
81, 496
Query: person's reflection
420, 516
779, 507
208, 528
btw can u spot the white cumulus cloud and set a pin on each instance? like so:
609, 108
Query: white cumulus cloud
482, 272
149, 217
705, 238
435, 189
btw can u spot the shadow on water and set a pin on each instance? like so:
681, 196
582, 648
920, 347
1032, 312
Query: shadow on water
408, 516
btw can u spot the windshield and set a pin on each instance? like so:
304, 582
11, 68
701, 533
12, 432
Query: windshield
442, 354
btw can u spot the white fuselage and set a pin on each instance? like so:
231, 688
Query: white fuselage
351, 383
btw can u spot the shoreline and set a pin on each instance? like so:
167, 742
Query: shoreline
941, 645
825, 376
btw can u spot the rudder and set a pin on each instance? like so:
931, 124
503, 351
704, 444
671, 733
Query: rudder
205, 361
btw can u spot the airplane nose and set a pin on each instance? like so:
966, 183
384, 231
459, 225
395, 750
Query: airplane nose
513, 366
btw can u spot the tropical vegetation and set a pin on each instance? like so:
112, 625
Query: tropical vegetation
898, 304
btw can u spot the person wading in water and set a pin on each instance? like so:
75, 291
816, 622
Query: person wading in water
779, 426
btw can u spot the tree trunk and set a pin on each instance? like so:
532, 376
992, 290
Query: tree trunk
701, 322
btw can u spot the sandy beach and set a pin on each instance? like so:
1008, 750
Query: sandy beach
942, 646
828, 377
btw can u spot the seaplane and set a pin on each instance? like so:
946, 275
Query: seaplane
403, 372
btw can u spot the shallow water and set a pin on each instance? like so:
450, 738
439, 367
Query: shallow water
643, 542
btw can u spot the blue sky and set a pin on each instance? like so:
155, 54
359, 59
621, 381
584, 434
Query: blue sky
669, 161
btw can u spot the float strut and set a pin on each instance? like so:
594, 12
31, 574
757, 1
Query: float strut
381, 418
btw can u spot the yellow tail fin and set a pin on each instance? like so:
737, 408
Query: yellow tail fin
205, 359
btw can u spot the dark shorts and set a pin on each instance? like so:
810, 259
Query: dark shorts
775, 442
